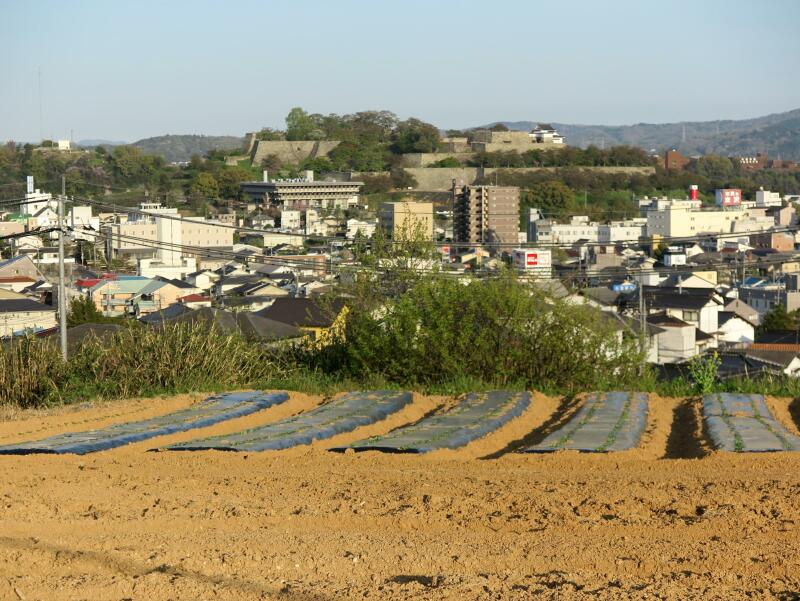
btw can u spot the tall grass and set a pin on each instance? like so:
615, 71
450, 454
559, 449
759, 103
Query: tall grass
133, 362
31, 372
176, 357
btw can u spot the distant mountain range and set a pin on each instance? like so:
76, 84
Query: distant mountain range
93, 143
181, 148
777, 134
177, 148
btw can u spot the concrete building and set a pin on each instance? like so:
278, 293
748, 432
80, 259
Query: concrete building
685, 218
486, 214
407, 219
169, 261
291, 219
36, 201
780, 241
303, 193
80, 218
580, 229
629, 231
136, 236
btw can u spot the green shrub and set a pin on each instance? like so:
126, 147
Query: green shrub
498, 330
704, 371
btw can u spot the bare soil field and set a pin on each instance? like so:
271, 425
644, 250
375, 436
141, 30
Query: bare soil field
672, 519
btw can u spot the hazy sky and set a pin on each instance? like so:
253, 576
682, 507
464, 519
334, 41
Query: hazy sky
127, 70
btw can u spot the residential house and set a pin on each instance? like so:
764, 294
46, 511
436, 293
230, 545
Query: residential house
203, 279
749, 363
16, 283
324, 321
743, 310
696, 306
20, 265
195, 301
678, 340
680, 281
249, 325
734, 328
19, 316
132, 295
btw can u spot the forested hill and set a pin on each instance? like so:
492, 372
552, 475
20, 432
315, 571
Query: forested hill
777, 134
181, 148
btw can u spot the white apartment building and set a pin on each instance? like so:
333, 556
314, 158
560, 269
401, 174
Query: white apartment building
81, 217
367, 228
622, 231
137, 236
35, 201
546, 231
683, 218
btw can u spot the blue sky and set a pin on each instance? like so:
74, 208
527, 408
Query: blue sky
127, 70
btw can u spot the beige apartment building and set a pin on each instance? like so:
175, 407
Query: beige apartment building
486, 215
398, 218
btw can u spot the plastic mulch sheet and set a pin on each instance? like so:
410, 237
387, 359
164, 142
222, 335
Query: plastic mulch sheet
476, 416
344, 414
610, 421
205, 413
744, 423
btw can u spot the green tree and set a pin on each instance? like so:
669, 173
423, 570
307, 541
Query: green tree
778, 318
552, 197
83, 310
301, 126
229, 179
414, 135
402, 179
204, 186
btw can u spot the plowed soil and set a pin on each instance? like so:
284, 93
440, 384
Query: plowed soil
672, 519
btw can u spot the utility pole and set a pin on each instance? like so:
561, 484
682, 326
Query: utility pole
642, 320
62, 291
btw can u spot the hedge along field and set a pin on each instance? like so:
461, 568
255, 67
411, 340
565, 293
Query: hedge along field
136, 361
497, 330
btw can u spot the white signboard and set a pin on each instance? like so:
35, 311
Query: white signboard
30, 184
